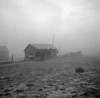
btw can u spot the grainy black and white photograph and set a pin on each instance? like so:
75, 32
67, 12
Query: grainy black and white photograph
49, 48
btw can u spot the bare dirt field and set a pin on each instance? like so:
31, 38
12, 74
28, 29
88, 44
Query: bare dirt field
54, 78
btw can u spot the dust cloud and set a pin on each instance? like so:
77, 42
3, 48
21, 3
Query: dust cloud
75, 24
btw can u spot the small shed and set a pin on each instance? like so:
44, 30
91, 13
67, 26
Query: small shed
4, 53
40, 51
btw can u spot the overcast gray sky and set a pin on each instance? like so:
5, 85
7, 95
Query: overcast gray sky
75, 23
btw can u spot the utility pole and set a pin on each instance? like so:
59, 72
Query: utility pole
12, 58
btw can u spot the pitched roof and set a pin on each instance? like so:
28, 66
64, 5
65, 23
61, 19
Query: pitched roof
3, 48
43, 46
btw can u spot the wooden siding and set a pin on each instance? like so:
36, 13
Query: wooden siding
54, 52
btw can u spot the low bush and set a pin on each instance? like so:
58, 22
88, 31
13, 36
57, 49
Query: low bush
79, 70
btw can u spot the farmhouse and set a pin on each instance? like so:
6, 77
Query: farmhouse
4, 53
40, 51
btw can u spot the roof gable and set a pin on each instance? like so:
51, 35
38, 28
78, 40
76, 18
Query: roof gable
43, 46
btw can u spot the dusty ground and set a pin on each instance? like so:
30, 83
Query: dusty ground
54, 78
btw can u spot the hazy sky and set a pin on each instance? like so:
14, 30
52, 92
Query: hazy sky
75, 23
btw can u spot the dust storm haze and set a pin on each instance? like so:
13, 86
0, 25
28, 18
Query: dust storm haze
75, 24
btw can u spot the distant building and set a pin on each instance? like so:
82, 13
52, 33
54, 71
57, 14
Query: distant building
4, 53
40, 51
77, 53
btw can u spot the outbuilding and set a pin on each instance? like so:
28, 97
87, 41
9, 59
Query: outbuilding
4, 53
40, 51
